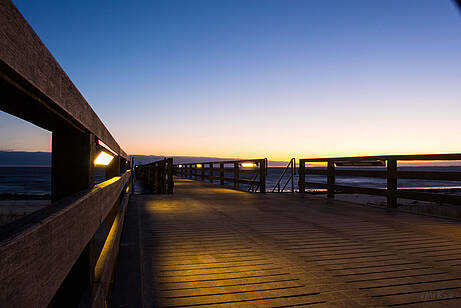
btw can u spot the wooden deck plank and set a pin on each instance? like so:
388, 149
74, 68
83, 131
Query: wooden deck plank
211, 246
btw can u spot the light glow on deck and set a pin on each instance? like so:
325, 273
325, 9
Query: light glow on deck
103, 159
199, 166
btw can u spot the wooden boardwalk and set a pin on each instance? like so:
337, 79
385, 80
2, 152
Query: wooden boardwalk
211, 246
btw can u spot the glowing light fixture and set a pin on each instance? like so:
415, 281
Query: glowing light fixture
248, 165
103, 159
199, 166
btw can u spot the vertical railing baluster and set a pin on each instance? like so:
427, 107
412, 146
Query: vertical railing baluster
164, 175
302, 176
221, 174
236, 175
211, 173
156, 175
391, 176
331, 179
202, 173
132, 175
170, 176
262, 176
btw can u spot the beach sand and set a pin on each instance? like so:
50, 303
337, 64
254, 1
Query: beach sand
13, 209
406, 205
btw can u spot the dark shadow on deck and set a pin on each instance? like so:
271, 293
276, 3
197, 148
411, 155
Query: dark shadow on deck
211, 246
141, 188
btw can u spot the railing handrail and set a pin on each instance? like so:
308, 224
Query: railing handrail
449, 156
61, 250
185, 170
158, 162
42, 77
223, 162
162, 183
392, 174
46, 231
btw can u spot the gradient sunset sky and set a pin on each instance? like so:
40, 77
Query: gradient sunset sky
252, 79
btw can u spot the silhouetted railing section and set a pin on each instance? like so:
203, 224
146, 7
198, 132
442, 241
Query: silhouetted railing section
157, 175
249, 172
390, 172
292, 168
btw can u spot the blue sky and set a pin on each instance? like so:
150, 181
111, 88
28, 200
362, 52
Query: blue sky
259, 78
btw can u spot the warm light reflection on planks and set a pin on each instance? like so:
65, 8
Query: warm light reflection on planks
207, 246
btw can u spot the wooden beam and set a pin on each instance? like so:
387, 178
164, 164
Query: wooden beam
27, 65
46, 244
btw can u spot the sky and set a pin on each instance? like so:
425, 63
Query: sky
252, 79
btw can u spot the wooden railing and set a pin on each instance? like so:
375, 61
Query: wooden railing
63, 255
157, 175
292, 167
390, 173
220, 172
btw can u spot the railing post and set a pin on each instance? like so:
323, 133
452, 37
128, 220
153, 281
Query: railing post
331, 179
72, 164
302, 176
132, 175
202, 173
72, 170
123, 165
236, 175
211, 173
293, 170
221, 174
170, 183
157, 175
163, 182
262, 176
391, 183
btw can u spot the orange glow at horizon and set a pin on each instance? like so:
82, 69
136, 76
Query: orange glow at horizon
300, 136
284, 152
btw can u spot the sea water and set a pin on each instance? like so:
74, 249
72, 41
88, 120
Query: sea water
37, 180
32, 180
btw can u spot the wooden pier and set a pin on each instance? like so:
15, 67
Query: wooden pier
212, 246
204, 245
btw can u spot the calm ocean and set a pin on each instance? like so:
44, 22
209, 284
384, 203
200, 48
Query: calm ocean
32, 180
37, 180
